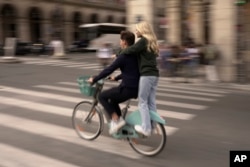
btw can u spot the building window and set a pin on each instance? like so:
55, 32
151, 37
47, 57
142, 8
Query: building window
110, 19
57, 23
206, 22
94, 18
184, 23
35, 24
9, 21
77, 20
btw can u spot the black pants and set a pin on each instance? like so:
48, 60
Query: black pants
111, 98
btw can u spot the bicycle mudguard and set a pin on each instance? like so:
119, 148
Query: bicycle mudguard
134, 118
125, 132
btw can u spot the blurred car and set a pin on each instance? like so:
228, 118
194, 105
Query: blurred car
38, 48
1, 50
77, 46
23, 48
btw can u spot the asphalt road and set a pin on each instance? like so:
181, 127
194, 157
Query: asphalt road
37, 96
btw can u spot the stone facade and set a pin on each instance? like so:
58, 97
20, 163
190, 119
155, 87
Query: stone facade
34, 20
203, 21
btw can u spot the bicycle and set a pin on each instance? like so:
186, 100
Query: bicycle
88, 122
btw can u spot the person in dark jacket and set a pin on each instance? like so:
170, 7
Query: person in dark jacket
128, 87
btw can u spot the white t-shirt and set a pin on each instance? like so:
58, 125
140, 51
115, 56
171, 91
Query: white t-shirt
104, 53
193, 52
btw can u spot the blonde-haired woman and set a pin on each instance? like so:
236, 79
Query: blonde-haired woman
146, 48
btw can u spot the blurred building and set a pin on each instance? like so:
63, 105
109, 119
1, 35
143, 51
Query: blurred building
202, 22
42, 20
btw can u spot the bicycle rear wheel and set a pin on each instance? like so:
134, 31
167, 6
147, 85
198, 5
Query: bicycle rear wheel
152, 145
88, 129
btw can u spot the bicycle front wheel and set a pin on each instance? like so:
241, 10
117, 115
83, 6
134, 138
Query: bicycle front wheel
87, 128
152, 145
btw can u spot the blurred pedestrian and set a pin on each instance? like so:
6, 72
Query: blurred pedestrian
164, 54
146, 48
104, 54
174, 60
185, 62
193, 53
211, 55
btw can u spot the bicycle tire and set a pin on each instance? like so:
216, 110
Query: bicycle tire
152, 145
88, 130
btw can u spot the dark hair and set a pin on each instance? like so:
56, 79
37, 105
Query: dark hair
128, 36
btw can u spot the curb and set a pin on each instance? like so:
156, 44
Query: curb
10, 59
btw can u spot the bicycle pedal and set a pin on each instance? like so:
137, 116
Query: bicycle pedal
124, 132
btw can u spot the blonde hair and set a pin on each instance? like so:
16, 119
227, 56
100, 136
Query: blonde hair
147, 32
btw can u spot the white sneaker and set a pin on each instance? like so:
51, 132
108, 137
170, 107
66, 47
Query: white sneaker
116, 125
139, 129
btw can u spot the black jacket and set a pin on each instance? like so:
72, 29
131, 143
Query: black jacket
129, 71
147, 60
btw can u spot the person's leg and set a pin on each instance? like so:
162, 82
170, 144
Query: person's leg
144, 92
111, 99
104, 99
152, 98
123, 95
152, 95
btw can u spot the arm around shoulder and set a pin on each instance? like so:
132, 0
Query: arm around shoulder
139, 46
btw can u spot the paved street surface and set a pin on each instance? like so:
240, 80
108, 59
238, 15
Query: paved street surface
204, 121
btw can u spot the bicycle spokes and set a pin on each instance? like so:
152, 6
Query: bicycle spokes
90, 116
80, 128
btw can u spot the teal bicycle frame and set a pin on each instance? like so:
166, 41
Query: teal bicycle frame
134, 118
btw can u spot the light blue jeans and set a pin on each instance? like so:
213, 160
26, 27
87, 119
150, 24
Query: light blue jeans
147, 96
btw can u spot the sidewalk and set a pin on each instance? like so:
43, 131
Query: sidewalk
9, 59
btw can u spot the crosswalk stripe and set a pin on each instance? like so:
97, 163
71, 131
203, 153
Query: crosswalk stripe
96, 66
181, 105
45, 61
36, 106
89, 65
24, 157
158, 93
64, 89
102, 143
77, 65
192, 88
167, 113
164, 113
110, 84
49, 108
39, 63
42, 94
185, 97
190, 92
179, 91
60, 63
46, 107
168, 103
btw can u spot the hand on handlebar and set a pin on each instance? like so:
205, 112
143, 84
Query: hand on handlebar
113, 57
90, 80
111, 78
